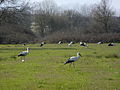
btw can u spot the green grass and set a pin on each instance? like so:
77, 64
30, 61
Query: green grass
44, 69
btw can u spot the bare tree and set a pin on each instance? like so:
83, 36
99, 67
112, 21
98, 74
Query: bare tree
3, 1
15, 21
14, 13
102, 14
43, 16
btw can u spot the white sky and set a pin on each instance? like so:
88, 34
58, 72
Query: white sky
73, 3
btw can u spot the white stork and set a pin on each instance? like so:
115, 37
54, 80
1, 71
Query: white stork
59, 42
23, 53
70, 44
42, 44
83, 44
99, 43
111, 44
73, 59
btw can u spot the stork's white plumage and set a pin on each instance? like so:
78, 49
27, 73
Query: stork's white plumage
24, 53
70, 44
23, 60
73, 58
59, 42
42, 43
111, 44
83, 44
99, 43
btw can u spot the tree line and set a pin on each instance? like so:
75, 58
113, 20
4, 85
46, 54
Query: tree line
15, 21
45, 21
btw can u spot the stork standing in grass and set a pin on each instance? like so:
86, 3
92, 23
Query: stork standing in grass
42, 44
70, 44
59, 42
99, 43
83, 44
23, 54
72, 59
111, 44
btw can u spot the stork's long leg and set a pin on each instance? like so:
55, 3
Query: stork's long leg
24, 57
70, 64
73, 65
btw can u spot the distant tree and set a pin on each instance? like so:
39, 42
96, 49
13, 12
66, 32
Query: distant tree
15, 21
5, 8
102, 15
44, 16
4, 1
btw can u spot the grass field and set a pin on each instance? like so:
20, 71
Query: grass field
44, 69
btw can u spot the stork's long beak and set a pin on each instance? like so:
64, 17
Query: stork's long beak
80, 55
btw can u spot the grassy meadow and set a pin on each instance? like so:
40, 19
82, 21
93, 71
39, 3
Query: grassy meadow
44, 69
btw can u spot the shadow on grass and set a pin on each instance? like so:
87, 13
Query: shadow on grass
103, 56
2, 58
13, 57
112, 56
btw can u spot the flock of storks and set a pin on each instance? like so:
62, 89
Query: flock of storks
70, 60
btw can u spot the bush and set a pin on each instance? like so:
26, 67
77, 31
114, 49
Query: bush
77, 37
13, 34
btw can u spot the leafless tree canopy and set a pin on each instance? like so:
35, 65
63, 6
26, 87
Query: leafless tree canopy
15, 21
102, 14
46, 21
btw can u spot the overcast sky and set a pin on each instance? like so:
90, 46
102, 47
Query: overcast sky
72, 3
